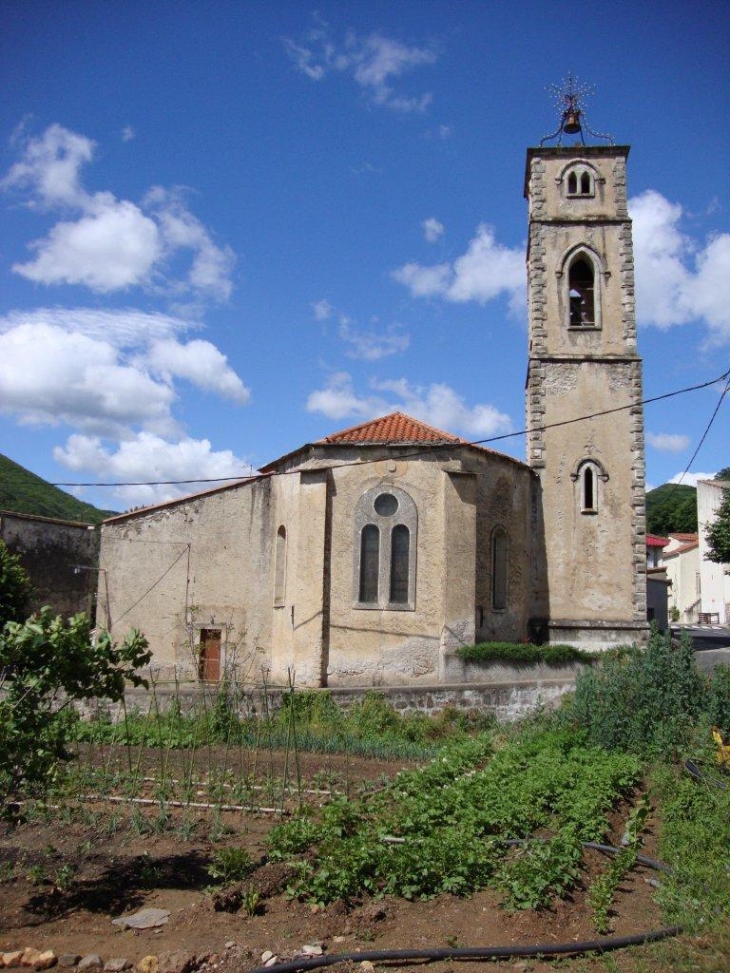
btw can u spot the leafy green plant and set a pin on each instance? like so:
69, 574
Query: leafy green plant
46, 664
15, 587
229, 865
251, 902
646, 702
524, 654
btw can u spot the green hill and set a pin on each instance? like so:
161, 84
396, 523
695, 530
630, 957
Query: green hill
25, 493
671, 508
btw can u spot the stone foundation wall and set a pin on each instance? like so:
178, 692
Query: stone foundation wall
506, 700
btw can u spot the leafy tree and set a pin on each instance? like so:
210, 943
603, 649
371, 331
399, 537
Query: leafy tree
671, 509
718, 533
724, 474
46, 664
14, 587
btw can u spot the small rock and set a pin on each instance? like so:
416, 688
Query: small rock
266, 956
367, 966
12, 958
338, 939
148, 964
312, 950
68, 959
117, 963
272, 962
176, 961
38, 960
91, 962
144, 919
314, 908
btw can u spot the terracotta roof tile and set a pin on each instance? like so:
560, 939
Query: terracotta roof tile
684, 537
653, 540
397, 427
682, 549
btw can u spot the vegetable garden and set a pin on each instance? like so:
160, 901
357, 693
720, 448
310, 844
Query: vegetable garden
369, 830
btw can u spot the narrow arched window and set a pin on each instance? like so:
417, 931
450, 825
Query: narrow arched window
589, 489
581, 290
280, 573
369, 563
499, 570
572, 184
400, 543
585, 184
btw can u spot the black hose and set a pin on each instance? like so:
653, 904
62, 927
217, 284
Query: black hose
473, 952
604, 945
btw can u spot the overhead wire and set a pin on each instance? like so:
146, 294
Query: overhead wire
434, 447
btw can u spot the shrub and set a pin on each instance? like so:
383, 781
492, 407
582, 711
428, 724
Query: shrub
524, 654
646, 701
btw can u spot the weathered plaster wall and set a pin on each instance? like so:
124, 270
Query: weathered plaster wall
202, 563
60, 558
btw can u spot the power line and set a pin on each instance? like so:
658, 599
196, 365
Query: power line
447, 445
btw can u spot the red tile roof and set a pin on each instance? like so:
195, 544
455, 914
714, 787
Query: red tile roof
396, 427
653, 540
685, 537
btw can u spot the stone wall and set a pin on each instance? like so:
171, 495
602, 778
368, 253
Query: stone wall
60, 558
515, 693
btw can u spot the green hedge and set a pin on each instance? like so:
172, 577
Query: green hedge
524, 654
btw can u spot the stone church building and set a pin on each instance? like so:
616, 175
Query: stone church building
368, 557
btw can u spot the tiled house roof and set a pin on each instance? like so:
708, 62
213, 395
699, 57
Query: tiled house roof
397, 427
653, 540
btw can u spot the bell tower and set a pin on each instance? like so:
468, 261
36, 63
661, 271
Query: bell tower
584, 391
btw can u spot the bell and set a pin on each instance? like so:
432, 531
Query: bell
571, 122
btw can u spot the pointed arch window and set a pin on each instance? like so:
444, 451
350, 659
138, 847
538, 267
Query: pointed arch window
582, 293
386, 526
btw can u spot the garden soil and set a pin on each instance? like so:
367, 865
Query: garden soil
65, 876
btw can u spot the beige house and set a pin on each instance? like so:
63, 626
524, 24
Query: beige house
715, 580
368, 557
681, 561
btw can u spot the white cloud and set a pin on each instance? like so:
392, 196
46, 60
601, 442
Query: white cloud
373, 61
441, 406
104, 371
50, 167
112, 244
371, 346
128, 133
200, 363
147, 456
112, 247
432, 229
322, 309
667, 442
487, 270
677, 279
48, 375
338, 400
690, 479
437, 404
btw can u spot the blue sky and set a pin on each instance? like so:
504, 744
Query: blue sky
230, 228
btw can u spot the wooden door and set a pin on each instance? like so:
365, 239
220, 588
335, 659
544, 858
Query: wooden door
209, 663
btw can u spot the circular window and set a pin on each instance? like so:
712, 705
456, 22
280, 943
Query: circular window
385, 504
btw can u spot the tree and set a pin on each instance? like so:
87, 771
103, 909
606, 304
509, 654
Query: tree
718, 533
46, 663
724, 474
15, 588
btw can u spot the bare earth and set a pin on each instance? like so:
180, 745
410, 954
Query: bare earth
63, 881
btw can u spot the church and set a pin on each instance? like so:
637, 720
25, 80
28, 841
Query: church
367, 558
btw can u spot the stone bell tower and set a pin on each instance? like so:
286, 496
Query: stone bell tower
584, 392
